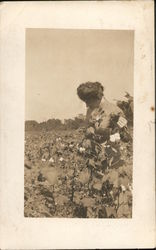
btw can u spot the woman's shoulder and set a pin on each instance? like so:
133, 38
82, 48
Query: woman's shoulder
109, 107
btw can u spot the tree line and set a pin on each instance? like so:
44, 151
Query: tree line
55, 124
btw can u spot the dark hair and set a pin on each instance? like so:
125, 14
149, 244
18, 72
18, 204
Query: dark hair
90, 90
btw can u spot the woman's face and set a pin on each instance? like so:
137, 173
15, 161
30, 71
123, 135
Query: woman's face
93, 103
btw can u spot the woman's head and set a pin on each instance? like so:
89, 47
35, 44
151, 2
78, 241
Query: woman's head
91, 93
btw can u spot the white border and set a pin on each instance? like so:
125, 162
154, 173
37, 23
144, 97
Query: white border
18, 232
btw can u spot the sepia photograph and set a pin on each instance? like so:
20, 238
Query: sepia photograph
78, 123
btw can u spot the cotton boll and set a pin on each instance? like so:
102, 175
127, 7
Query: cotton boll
112, 138
51, 160
61, 159
81, 149
122, 122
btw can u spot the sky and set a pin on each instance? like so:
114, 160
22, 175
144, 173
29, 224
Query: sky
59, 60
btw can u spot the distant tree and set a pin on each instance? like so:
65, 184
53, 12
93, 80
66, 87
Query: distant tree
42, 125
31, 125
70, 124
53, 124
79, 122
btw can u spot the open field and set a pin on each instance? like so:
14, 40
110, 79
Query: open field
59, 183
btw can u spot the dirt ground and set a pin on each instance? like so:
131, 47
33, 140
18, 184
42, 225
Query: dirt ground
60, 183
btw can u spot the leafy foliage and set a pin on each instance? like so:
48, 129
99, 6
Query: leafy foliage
70, 175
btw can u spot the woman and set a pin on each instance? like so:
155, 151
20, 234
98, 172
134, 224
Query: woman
103, 118
106, 127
